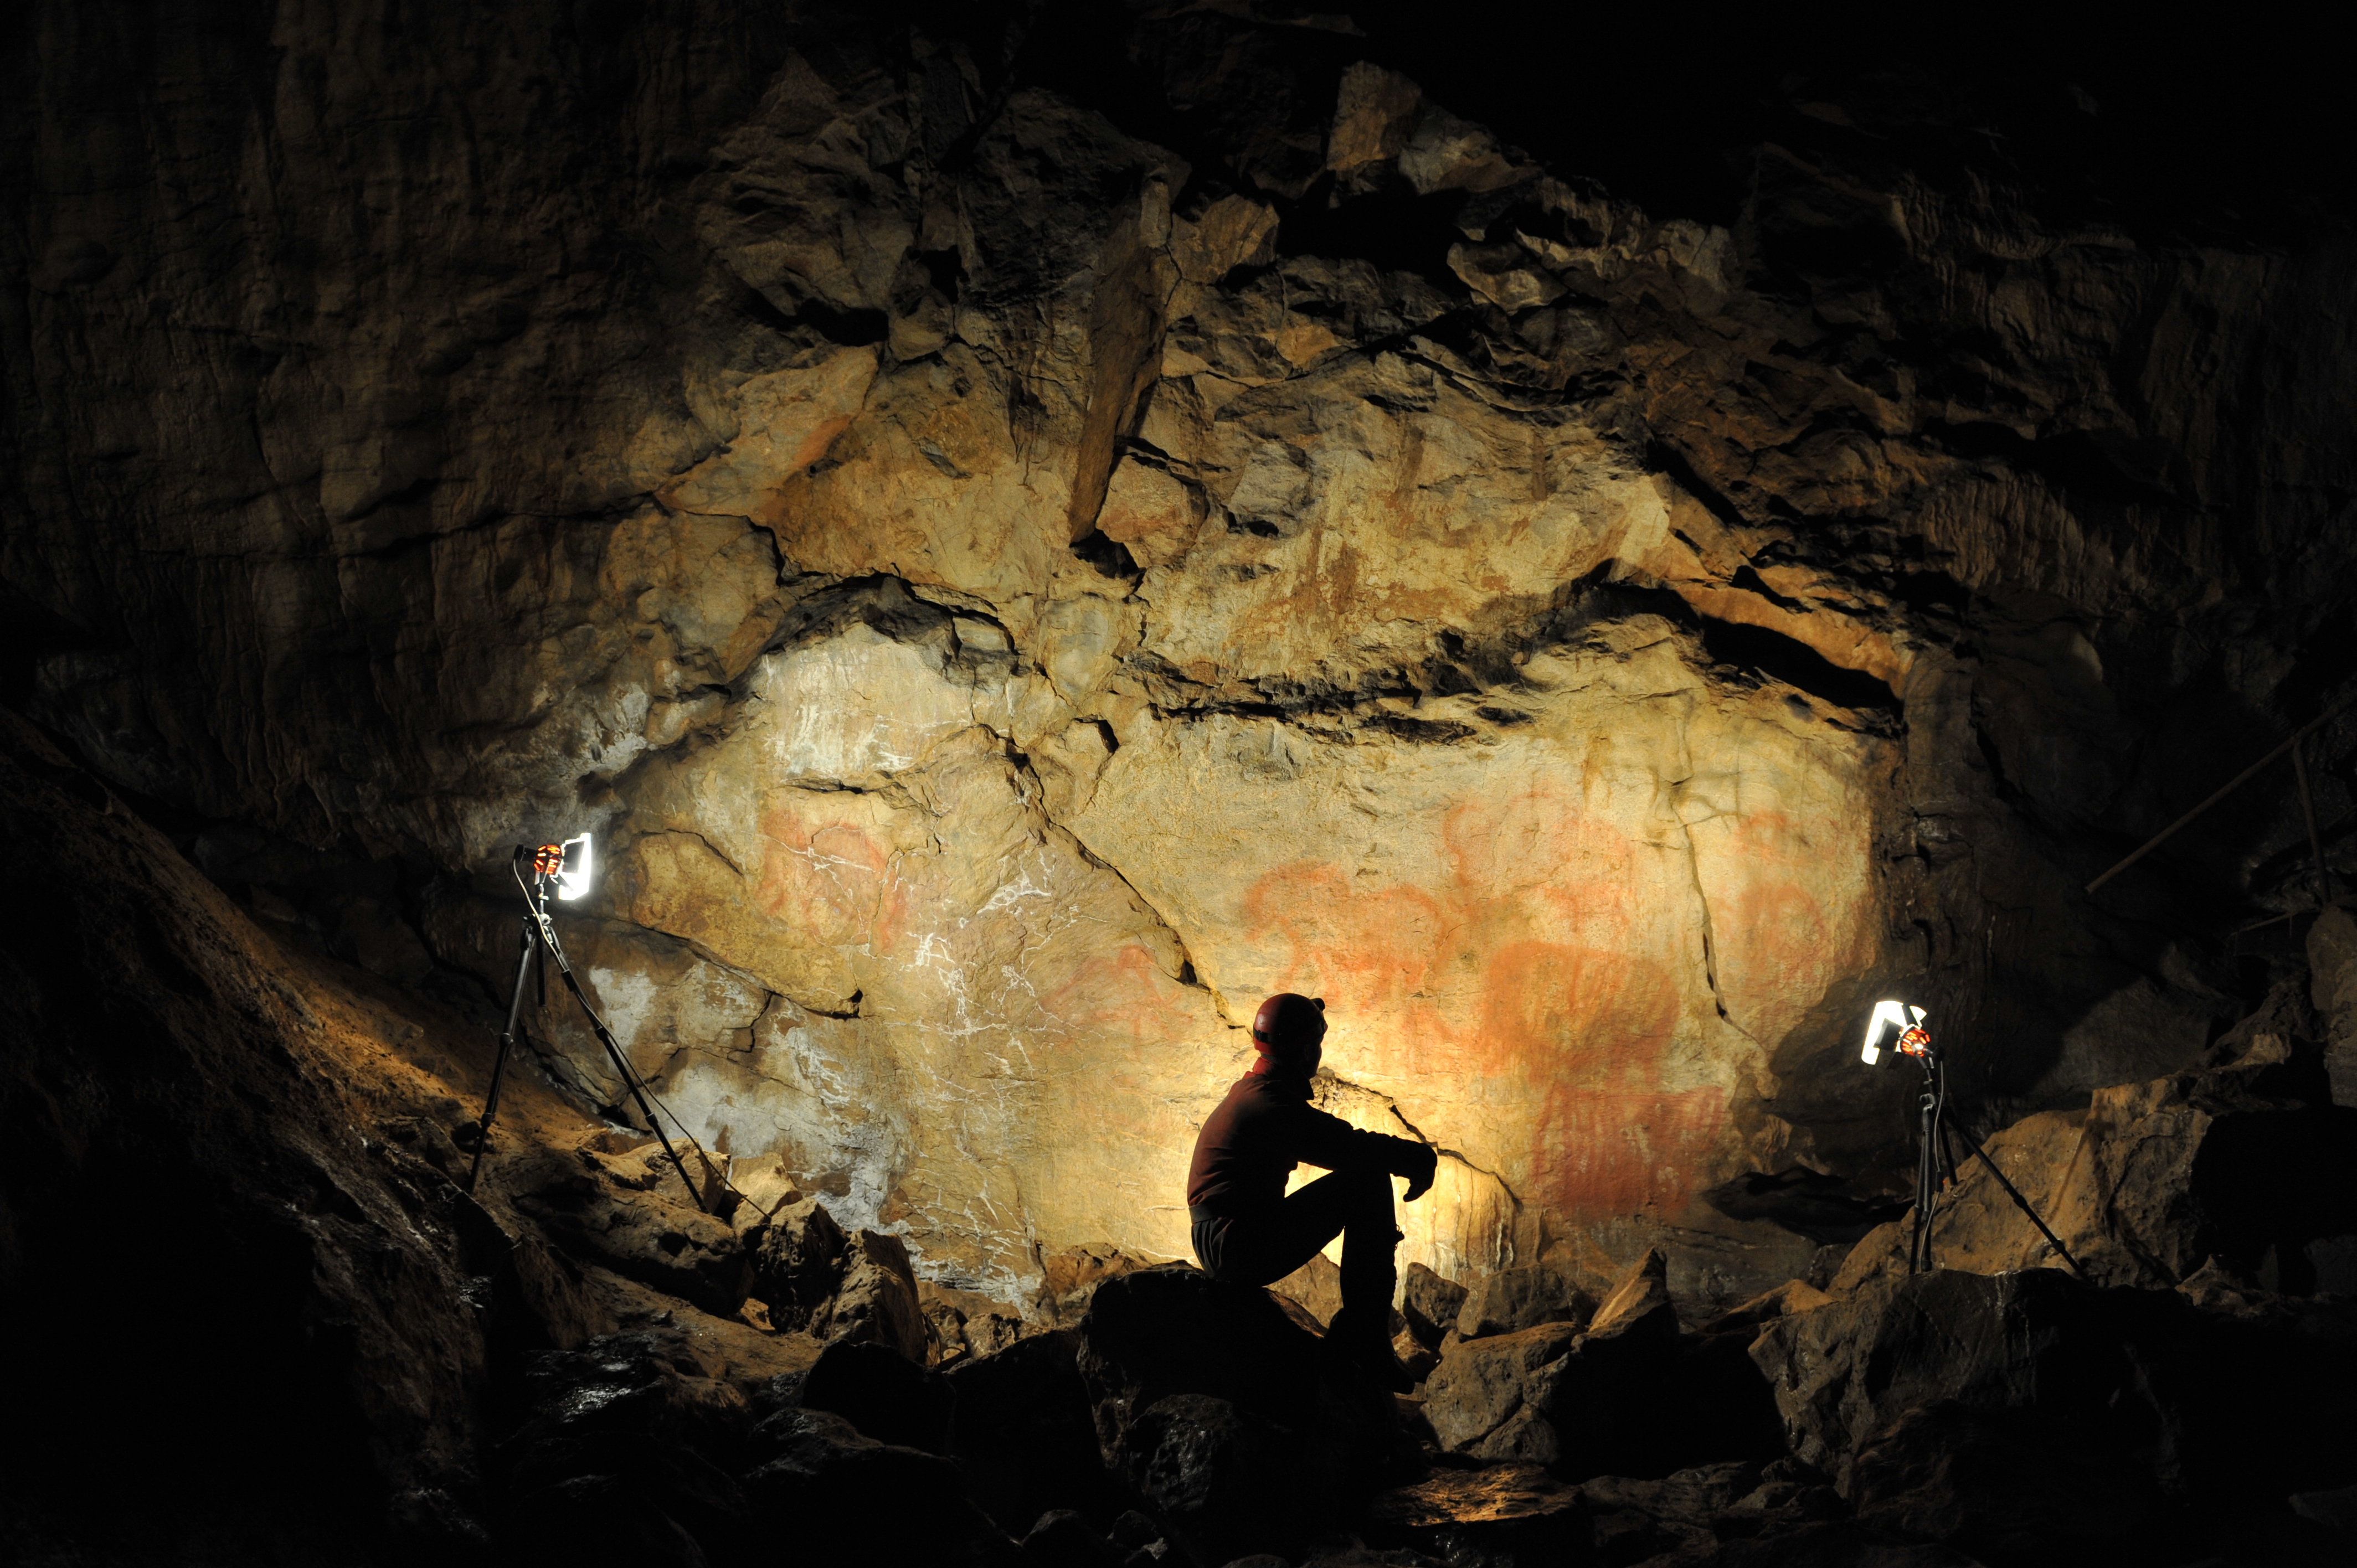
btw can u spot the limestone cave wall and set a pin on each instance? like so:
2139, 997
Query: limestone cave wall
1024, 531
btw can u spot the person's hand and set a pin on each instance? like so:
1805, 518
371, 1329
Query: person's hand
1419, 1179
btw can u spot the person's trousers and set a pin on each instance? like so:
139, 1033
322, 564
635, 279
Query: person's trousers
1261, 1246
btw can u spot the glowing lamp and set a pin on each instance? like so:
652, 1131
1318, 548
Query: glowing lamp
567, 865
1894, 1029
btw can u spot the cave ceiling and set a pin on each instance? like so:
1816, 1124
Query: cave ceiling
1023, 533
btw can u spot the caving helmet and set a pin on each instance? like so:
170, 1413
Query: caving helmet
1289, 1026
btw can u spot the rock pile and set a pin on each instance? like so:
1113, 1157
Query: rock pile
1532, 1373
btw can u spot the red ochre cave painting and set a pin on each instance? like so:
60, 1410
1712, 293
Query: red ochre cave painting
1123, 994
831, 879
1776, 950
1542, 977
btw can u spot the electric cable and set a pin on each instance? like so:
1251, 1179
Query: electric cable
632, 1083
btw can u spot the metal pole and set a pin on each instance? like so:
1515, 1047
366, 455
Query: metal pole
499, 1063
613, 1050
2052, 1240
2315, 841
2223, 791
1919, 1246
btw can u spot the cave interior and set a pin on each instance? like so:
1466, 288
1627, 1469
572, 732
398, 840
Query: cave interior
1600, 546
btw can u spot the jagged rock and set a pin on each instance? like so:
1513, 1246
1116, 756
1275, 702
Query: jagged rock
2335, 1509
963, 1322
1501, 1513
1577, 1401
1025, 1433
1514, 1299
622, 1212
1417, 1357
1638, 1310
1134, 1531
877, 1303
1430, 1303
883, 1393
1316, 1286
1068, 1278
2039, 1341
860, 1288
1791, 1297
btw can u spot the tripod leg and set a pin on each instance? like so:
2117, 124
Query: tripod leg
499, 1063
622, 1065
2051, 1240
1919, 1249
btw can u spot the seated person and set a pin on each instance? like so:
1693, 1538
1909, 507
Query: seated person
1246, 1227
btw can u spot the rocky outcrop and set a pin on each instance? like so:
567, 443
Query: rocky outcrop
837, 1287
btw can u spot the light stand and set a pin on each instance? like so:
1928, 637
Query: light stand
562, 870
1892, 1030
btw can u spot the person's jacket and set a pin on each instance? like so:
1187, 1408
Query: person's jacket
1264, 1128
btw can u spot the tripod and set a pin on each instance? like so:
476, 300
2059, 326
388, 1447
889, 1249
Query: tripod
539, 935
1935, 1164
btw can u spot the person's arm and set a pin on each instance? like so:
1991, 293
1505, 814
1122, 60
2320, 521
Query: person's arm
1320, 1139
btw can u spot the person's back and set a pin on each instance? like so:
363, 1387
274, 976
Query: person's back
1248, 1228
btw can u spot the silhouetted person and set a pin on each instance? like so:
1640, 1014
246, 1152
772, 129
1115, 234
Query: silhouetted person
1248, 1229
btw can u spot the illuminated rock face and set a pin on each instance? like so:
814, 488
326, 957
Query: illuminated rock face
1007, 604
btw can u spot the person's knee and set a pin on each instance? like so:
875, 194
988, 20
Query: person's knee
1371, 1191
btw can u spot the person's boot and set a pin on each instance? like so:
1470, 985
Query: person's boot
1368, 1351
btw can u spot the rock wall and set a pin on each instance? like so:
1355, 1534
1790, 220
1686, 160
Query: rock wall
1023, 533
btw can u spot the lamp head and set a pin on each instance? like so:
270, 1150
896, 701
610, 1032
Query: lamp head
1895, 1027
567, 864
573, 871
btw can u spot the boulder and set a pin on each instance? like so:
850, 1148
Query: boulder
1630, 1393
1226, 1482
883, 1393
1316, 1285
877, 1303
622, 1212
1430, 1303
798, 1263
817, 1279
1491, 1399
1024, 1433
1156, 1334
2039, 1340
1070, 1277
1515, 1299
1506, 1512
